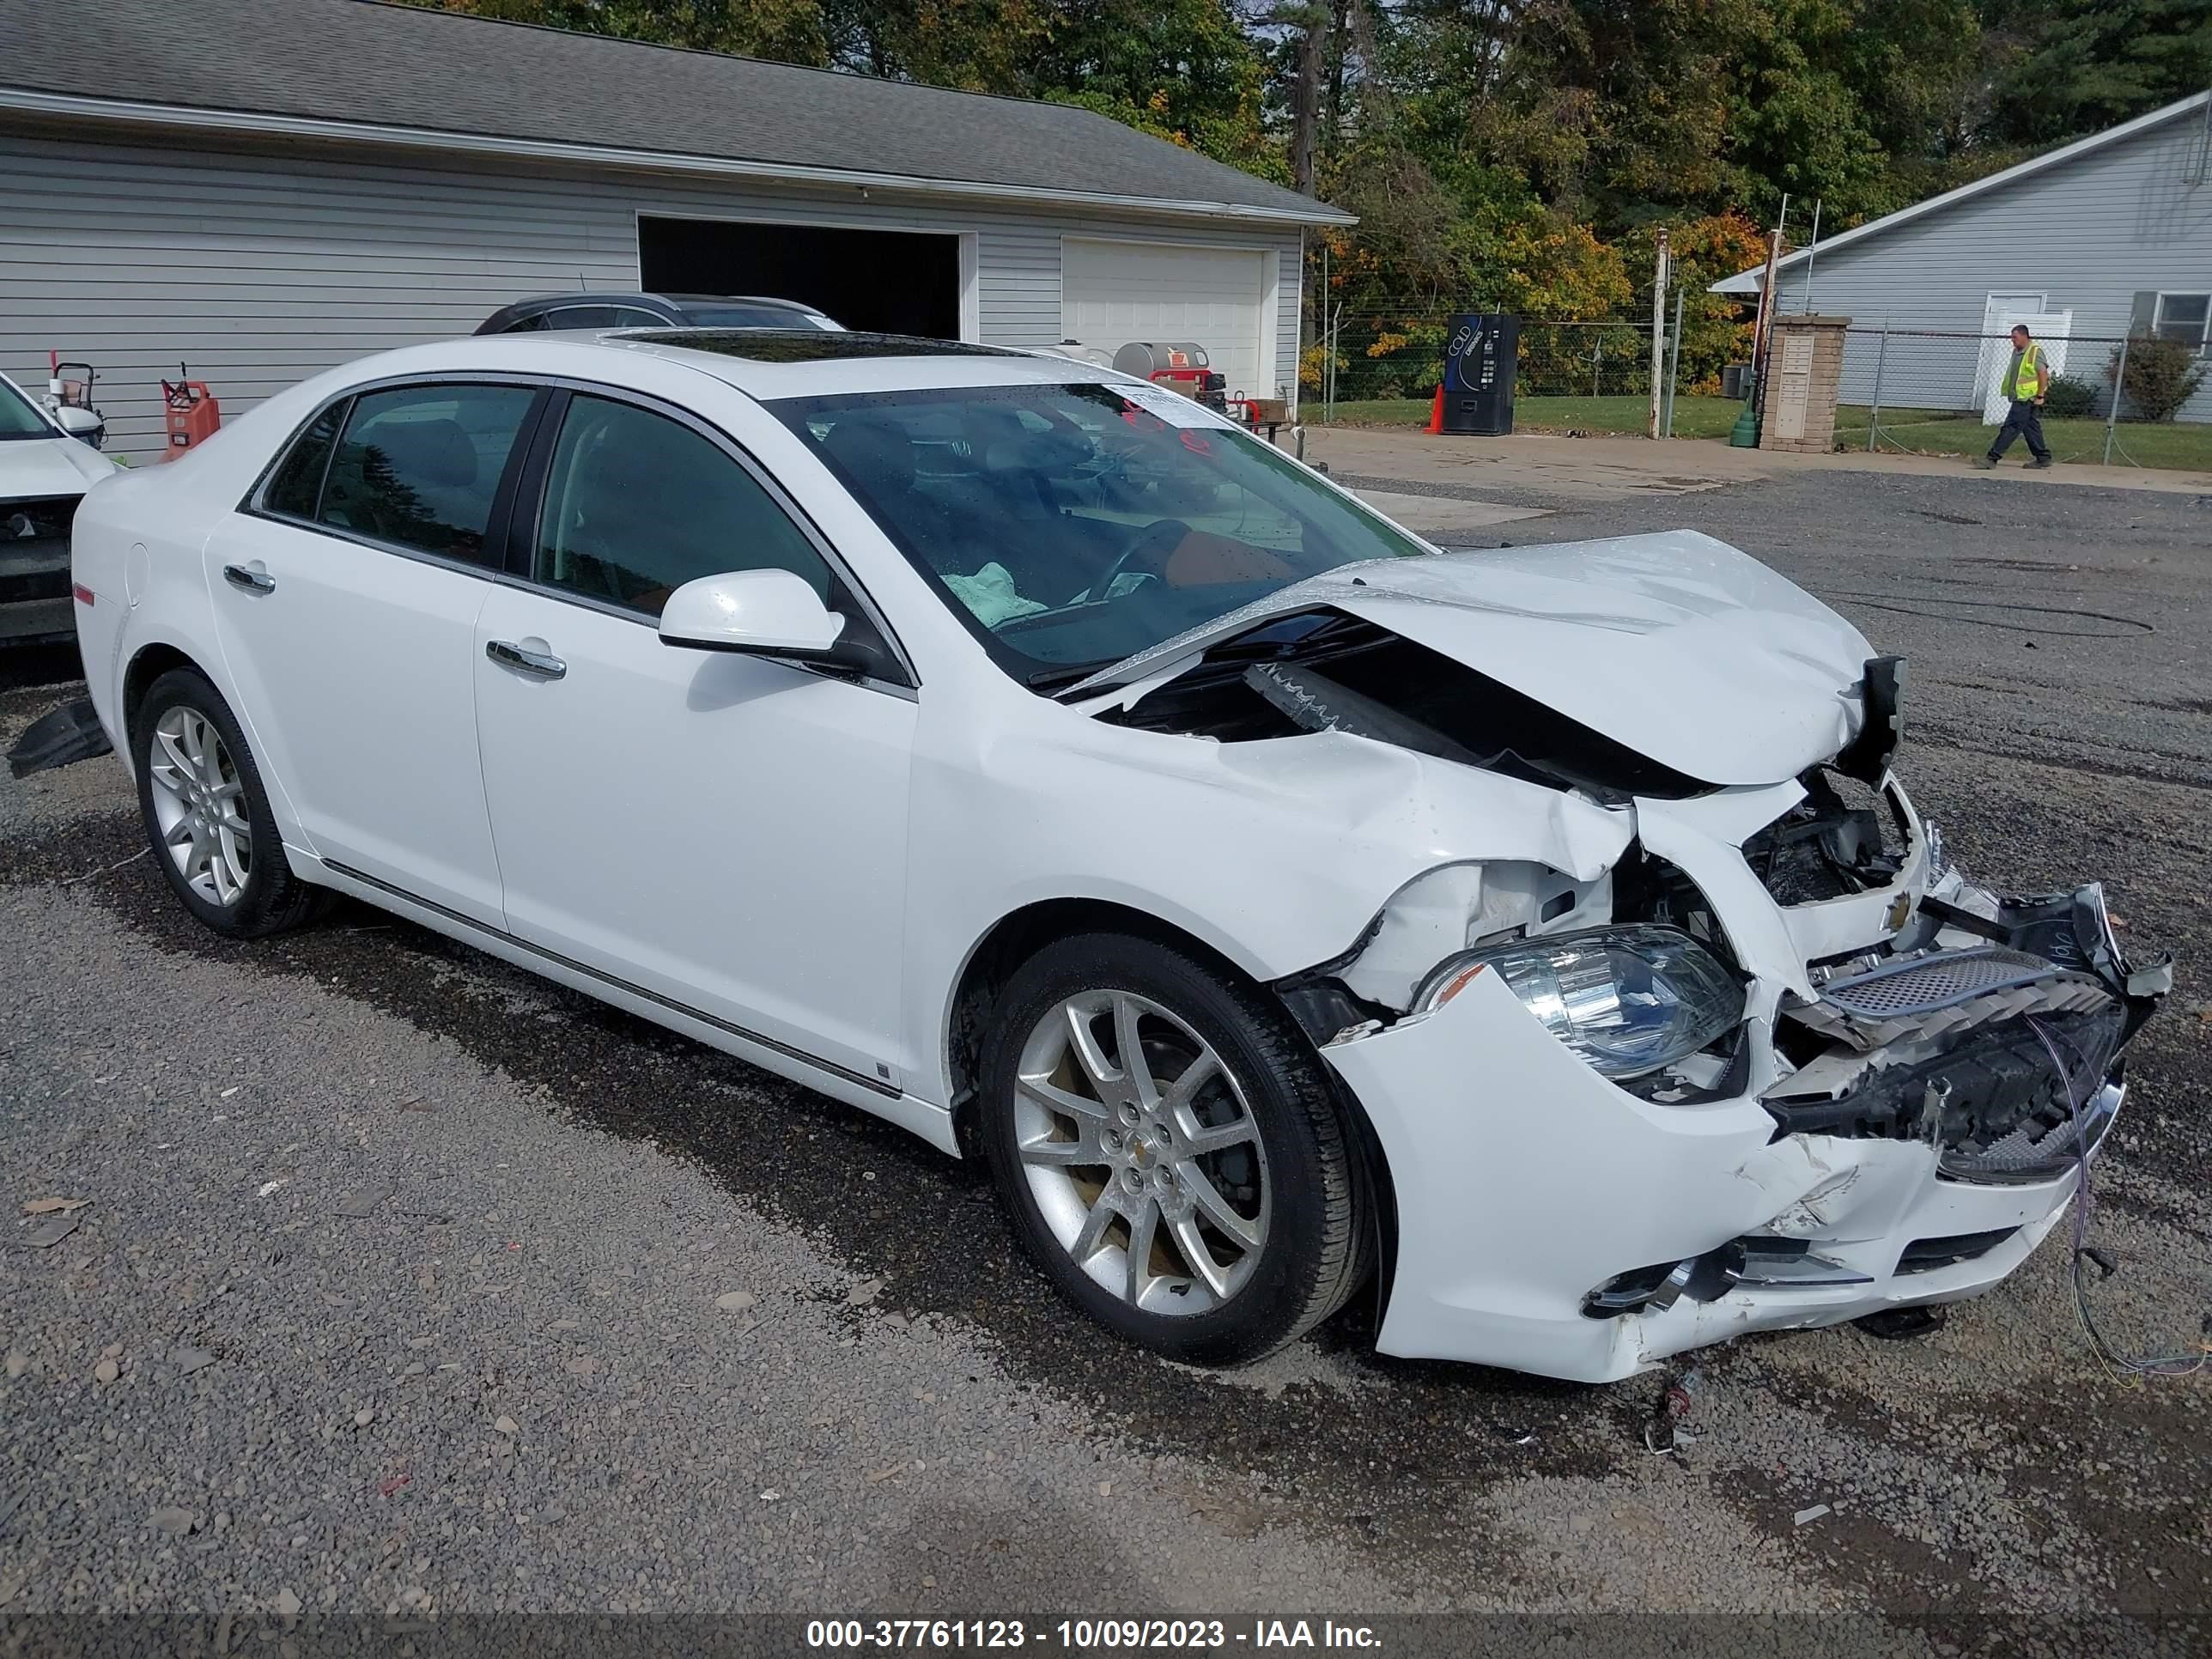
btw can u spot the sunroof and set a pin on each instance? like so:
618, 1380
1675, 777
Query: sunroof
811, 346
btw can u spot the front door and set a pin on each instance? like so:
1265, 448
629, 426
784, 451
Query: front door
345, 603
725, 832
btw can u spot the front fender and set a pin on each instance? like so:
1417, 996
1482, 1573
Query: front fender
1276, 853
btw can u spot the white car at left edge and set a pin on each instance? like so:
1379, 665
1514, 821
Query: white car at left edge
1023, 753
44, 469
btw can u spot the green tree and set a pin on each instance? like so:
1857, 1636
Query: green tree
2073, 67
1186, 71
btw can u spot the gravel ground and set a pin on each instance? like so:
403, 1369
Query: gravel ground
409, 1284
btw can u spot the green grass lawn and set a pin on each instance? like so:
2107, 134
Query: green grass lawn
1923, 431
1694, 417
1932, 432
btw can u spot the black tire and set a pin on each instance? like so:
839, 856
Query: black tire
1314, 1252
272, 899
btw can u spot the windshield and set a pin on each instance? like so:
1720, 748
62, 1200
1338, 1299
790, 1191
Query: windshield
744, 316
18, 418
1072, 525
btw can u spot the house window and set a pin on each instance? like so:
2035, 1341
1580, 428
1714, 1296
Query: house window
2183, 317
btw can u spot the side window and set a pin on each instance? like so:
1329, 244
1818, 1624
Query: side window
631, 317
298, 480
536, 319
418, 465
2184, 317
636, 505
581, 317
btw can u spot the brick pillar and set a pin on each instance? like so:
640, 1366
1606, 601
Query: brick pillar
1804, 366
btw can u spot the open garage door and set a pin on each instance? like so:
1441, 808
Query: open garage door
1111, 292
898, 282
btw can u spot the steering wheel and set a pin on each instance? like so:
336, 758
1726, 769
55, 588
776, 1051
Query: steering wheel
1153, 544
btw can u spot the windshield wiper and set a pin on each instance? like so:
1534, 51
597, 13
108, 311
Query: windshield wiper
1267, 639
1051, 681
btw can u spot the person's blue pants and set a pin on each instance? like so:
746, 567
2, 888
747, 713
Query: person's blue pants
2024, 420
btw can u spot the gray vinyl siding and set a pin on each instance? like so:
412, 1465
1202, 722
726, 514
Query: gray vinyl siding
2090, 232
258, 268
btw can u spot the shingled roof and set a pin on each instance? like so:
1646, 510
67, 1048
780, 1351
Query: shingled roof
367, 70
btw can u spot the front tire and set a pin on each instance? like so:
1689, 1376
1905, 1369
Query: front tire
1202, 1202
207, 815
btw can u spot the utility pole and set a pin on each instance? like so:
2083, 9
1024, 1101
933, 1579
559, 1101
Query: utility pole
1766, 304
1658, 324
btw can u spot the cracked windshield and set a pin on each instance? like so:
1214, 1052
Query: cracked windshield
1072, 525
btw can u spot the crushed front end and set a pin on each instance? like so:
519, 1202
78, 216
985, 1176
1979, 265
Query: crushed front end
1896, 1116
1687, 1031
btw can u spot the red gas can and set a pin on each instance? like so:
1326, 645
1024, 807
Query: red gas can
194, 415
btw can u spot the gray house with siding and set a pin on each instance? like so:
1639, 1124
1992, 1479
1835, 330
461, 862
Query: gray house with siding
264, 188
2114, 229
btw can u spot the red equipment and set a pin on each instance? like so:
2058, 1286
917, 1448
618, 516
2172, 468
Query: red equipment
1180, 366
194, 416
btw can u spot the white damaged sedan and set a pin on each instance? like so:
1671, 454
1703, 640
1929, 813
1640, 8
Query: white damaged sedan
1020, 752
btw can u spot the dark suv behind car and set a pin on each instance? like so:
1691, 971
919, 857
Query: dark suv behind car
553, 311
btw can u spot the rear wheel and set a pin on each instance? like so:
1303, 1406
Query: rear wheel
207, 814
1168, 1150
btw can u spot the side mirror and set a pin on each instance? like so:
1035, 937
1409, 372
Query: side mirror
764, 613
87, 424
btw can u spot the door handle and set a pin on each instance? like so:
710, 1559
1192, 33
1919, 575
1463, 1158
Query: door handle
511, 655
247, 580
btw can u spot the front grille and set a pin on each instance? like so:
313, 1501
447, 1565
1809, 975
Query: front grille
22, 587
1938, 993
1924, 985
46, 519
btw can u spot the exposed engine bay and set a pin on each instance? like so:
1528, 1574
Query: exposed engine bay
1323, 670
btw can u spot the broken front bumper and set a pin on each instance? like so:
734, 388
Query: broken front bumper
1550, 1221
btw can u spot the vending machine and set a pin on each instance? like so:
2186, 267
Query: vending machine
1479, 354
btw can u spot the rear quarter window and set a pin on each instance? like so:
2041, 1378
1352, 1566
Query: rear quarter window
297, 484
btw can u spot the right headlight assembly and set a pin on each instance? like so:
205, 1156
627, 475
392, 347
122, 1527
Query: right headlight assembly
1627, 999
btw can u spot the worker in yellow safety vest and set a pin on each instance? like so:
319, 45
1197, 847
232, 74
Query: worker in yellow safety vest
2027, 381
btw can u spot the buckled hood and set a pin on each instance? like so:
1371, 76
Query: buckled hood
1675, 644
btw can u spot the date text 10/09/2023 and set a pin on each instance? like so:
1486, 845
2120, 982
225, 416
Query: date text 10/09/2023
1088, 1635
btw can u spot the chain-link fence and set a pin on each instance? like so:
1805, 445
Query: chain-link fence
2141, 401
1366, 357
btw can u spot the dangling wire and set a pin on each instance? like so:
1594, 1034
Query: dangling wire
2186, 1363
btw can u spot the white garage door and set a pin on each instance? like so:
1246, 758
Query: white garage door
1111, 292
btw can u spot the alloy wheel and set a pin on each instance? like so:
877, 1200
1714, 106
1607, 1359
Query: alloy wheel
199, 803
1140, 1149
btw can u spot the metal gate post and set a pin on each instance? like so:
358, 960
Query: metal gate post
1658, 328
2119, 389
1874, 415
1320, 330
1674, 363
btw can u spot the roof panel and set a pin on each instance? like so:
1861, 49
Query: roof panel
359, 61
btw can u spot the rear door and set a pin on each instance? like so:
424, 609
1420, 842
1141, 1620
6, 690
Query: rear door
346, 595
